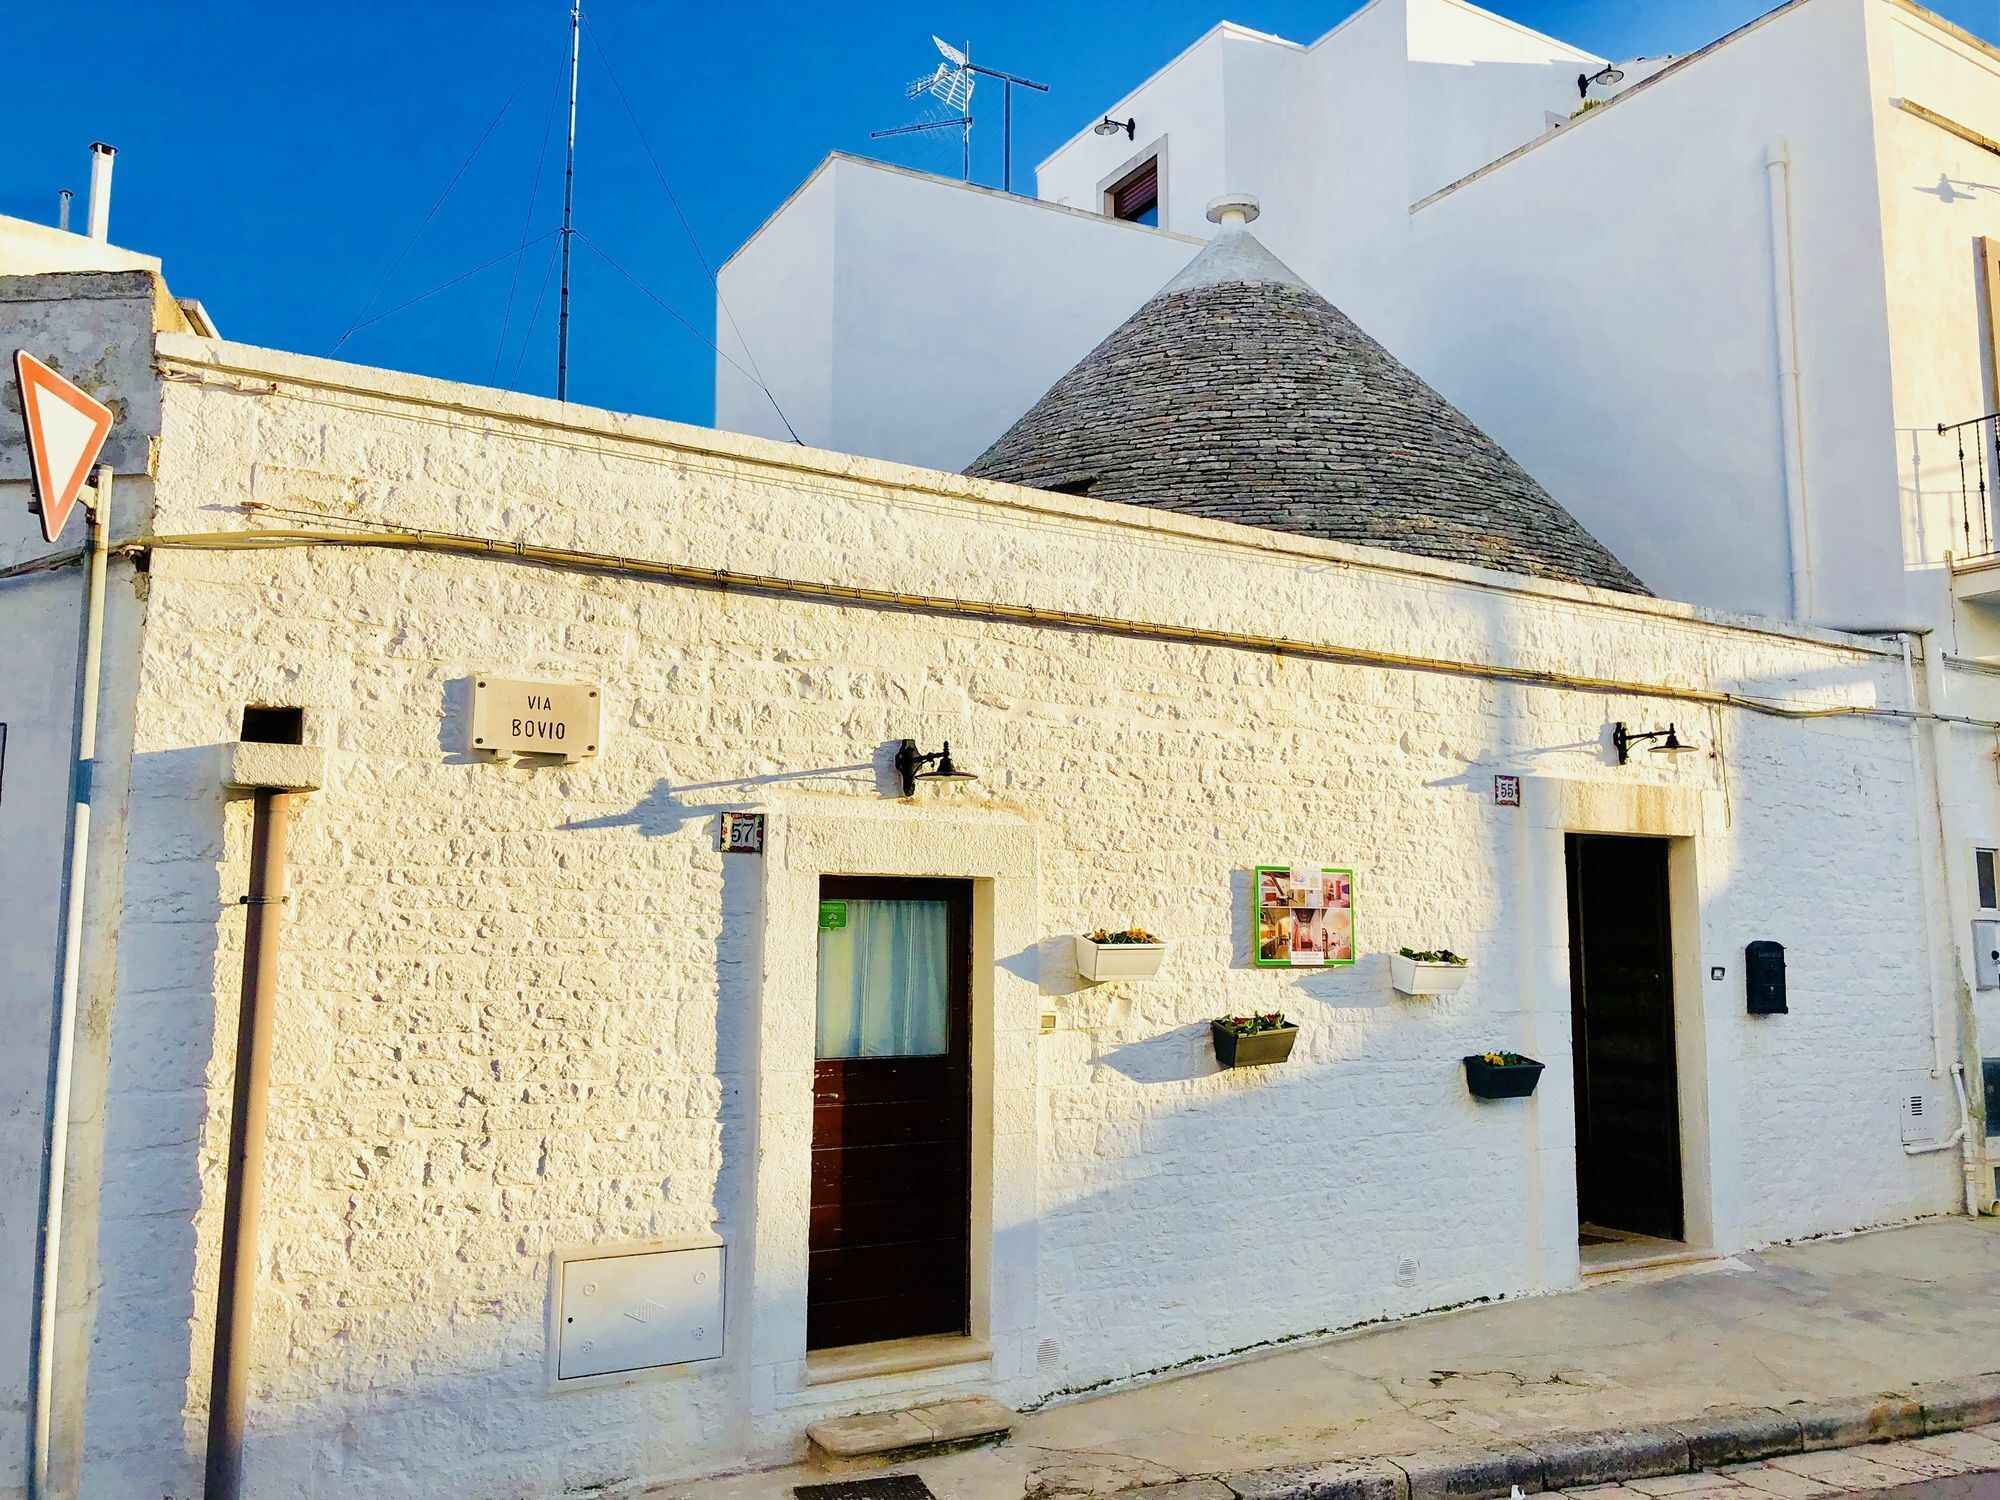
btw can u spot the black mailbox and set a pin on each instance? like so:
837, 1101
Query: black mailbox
1764, 977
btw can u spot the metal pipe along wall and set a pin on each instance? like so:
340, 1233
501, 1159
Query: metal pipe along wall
243, 1198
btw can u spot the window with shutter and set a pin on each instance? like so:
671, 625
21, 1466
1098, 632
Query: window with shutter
1136, 197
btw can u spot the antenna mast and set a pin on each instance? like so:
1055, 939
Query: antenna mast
569, 203
951, 82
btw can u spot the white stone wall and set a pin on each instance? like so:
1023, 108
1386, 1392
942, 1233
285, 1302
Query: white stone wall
524, 1008
96, 328
35, 705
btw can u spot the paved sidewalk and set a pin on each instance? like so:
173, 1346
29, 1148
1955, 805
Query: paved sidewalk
1828, 1320
1843, 1471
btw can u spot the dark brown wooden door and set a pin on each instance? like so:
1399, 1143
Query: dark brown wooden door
892, 1109
1628, 1126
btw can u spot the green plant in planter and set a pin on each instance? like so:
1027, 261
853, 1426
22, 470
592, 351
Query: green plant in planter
1501, 1075
1434, 956
1123, 935
1251, 1025
1247, 1041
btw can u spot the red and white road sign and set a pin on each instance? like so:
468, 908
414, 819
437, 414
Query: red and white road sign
66, 431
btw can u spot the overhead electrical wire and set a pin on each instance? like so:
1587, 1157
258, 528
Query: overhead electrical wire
753, 374
358, 324
690, 327
996, 611
454, 281
527, 223
548, 272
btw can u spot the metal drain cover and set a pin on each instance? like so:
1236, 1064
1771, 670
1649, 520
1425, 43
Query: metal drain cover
888, 1487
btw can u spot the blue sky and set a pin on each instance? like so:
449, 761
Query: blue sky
280, 157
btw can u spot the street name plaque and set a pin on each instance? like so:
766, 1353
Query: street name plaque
534, 718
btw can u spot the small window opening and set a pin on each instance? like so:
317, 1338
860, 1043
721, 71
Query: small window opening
1135, 197
1989, 888
1082, 485
263, 725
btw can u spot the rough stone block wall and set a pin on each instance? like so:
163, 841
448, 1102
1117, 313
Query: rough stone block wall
519, 1004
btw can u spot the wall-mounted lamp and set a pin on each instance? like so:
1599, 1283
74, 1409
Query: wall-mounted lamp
1606, 75
1109, 126
910, 766
1669, 742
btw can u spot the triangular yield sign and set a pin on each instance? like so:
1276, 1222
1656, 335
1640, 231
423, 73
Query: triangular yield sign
66, 431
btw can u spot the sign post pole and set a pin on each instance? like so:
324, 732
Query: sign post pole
66, 429
75, 860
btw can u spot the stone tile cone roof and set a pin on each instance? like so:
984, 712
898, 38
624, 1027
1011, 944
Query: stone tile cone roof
1240, 394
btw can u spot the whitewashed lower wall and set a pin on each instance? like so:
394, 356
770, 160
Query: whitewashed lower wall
36, 698
525, 1008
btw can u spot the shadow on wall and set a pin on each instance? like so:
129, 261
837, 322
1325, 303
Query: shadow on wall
661, 812
1951, 189
169, 1027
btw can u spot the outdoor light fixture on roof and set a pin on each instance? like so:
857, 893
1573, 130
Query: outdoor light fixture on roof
1607, 75
910, 766
1669, 742
1109, 126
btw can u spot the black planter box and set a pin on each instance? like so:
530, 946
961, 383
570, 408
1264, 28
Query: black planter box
1234, 1050
1506, 1081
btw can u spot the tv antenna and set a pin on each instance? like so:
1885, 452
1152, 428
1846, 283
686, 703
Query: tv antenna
951, 84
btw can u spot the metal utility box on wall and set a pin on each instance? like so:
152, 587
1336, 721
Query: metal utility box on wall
1764, 977
1986, 955
639, 1308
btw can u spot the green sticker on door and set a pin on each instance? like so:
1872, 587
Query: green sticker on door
832, 915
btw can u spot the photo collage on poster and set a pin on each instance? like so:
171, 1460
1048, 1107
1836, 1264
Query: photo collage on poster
1305, 916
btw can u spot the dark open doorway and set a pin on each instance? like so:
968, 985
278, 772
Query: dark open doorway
892, 1113
1628, 1129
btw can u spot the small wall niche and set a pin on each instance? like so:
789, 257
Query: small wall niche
269, 724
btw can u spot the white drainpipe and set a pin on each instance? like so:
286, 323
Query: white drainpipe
1931, 758
1778, 167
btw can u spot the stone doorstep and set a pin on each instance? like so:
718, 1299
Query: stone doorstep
913, 1432
1566, 1460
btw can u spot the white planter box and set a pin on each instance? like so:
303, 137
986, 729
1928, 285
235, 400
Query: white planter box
1100, 961
1414, 978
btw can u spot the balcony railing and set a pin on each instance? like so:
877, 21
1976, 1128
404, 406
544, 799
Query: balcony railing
1975, 509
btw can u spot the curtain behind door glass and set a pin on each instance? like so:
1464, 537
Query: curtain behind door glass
884, 981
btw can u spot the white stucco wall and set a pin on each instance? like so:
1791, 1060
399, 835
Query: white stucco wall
28, 248
778, 324
36, 698
1616, 330
1602, 298
1478, 86
1934, 208
917, 318
1184, 109
97, 329
524, 1008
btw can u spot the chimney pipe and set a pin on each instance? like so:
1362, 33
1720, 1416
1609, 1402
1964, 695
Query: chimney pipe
100, 190
62, 208
1232, 210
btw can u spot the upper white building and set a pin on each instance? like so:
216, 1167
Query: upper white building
1720, 318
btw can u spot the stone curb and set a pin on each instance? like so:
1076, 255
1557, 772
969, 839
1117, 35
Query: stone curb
1567, 1460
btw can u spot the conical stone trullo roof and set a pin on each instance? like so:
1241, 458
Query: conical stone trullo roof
1240, 394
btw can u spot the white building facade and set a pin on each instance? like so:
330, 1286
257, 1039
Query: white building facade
530, 1015
1721, 316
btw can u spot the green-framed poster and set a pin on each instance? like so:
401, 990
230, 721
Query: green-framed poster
1304, 916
